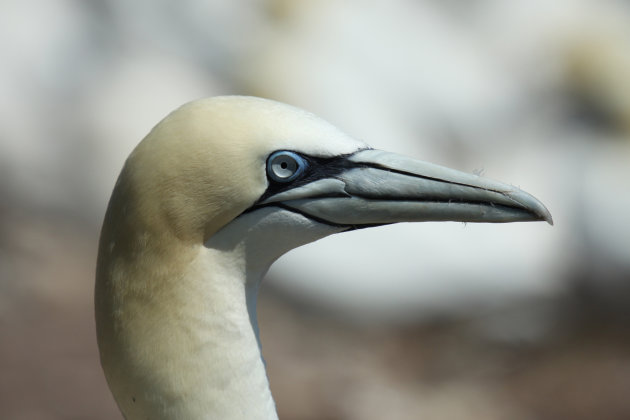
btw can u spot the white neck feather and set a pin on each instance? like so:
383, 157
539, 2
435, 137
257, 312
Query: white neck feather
225, 362
189, 349
196, 354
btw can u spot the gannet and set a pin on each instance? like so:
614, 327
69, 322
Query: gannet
207, 201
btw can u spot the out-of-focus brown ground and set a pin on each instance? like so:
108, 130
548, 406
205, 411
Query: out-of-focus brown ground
319, 367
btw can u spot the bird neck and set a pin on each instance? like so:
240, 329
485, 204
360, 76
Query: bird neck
182, 342
176, 322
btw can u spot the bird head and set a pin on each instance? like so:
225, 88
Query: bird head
214, 161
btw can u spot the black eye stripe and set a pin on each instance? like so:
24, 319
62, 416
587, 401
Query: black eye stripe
316, 168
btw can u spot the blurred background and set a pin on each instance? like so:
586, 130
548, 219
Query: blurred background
434, 321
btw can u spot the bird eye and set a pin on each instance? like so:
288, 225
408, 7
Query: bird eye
285, 166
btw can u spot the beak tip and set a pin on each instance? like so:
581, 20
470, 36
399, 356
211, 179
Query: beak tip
532, 204
547, 218
540, 210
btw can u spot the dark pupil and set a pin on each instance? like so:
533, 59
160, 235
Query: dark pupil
284, 165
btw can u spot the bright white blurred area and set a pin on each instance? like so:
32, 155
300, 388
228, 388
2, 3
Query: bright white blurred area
532, 93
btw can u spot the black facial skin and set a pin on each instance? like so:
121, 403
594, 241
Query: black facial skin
316, 168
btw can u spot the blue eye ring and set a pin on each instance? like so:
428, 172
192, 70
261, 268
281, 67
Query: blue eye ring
284, 166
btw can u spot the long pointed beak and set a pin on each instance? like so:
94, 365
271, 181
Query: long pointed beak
377, 187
